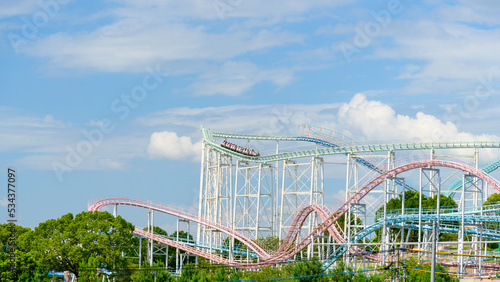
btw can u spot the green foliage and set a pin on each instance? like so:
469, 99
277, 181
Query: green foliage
309, 269
354, 221
493, 199
341, 272
147, 274
444, 201
64, 243
5, 234
131, 252
192, 274
39, 274
25, 264
88, 269
417, 276
272, 242
158, 231
221, 275
412, 202
183, 236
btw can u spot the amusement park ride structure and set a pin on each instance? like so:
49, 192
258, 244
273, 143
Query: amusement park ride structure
250, 198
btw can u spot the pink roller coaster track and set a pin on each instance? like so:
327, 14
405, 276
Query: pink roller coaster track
288, 249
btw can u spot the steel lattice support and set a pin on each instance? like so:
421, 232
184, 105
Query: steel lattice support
216, 194
302, 185
253, 212
473, 194
430, 184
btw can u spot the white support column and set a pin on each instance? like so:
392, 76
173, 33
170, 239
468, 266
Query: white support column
150, 241
202, 190
472, 193
179, 258
461, 236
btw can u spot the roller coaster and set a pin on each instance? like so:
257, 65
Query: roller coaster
255, 189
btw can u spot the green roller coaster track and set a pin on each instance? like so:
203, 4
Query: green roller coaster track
208, 137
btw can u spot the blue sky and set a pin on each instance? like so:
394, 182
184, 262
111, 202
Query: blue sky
141, 76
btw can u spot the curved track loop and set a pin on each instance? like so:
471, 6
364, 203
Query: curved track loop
96, 204
288, 249
287, 253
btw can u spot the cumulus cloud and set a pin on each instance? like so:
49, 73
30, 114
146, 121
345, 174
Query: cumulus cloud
374, 120
169, 145
364, 120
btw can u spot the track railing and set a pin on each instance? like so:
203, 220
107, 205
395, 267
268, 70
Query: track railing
291, 245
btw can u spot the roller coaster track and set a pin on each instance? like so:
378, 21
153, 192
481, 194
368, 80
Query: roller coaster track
458, 184
412, 218
292, 250
292, 245
97, 203
208, 137
337, 143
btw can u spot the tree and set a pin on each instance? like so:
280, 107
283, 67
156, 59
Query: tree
148, 274
493, 199
191, 273
134, 246
415, 275
412, 202
183, 236
308, 271
444, 201
88, 269
354, 221
25, 264
341, 272
64, 243
271, 242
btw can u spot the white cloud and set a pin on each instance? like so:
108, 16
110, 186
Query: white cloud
111, 164
21, 131
364, 120
443, 56
19, 7
375, 120
4, 202
39, 141
472, 11
36, 142
128, 45
168, 145
257, 119
202, 9
234, 78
